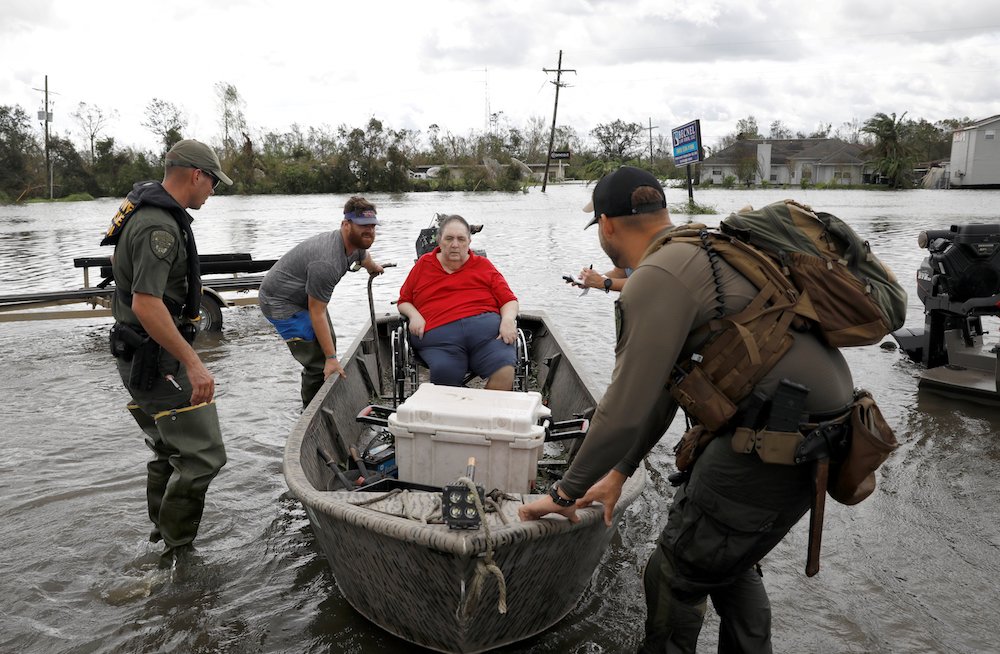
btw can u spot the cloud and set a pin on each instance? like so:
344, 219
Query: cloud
25, 15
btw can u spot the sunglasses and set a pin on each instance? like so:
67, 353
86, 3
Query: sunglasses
215, 180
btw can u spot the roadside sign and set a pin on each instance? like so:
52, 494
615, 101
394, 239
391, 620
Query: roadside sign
687, 143
560, 154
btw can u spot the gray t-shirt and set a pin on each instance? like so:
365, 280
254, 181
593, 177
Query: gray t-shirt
310, 269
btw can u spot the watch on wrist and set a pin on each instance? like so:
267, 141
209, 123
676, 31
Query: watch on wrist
607, 284
559, 499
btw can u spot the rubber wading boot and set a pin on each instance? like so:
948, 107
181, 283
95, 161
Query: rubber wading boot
193, 434
310, 355
157, 470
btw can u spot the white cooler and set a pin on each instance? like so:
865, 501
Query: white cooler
438, 428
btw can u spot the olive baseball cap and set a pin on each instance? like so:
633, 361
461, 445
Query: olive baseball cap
613, 194
195, 154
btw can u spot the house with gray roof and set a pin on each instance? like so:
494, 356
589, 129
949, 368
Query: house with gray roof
975, 155
788, 161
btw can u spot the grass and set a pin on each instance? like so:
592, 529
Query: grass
73, 197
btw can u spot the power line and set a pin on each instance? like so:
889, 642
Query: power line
46, 116
559, 70
651, 128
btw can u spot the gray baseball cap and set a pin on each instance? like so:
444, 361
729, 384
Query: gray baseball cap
190, 153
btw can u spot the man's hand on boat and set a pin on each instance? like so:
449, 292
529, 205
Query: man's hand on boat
605, 492
333, 367
544, 506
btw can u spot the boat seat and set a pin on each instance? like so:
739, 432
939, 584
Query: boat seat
406, 363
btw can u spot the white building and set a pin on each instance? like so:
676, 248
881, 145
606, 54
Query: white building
787, 161
975, 155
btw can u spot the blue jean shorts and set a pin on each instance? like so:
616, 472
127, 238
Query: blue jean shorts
468, 344
299, 326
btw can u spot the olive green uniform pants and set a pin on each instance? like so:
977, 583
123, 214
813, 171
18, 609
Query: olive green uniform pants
723, 521
188, 453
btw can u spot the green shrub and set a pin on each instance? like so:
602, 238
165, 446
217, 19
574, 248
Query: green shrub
77, 197
729, 181
693, 208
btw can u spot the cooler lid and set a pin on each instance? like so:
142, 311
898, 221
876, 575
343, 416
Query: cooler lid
449, 408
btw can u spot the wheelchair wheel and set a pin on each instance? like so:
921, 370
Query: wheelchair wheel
404, 367
522, 363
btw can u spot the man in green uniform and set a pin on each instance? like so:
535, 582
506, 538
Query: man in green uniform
156, 306
734, 508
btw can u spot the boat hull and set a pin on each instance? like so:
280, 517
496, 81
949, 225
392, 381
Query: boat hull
419, 581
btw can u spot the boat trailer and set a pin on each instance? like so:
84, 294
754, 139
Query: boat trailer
239, 269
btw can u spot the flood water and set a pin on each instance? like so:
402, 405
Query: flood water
912, 569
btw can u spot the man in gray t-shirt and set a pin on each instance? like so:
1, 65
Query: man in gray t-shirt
296, 291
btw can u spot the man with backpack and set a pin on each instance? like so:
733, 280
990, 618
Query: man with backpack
731, 507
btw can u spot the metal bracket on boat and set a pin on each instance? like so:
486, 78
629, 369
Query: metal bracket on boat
566, 429
375, 414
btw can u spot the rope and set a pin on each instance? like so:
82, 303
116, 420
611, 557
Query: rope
408, 510
486, 565
491, 503
378, 498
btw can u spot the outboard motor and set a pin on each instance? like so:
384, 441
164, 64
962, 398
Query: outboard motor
958, 282
963, 262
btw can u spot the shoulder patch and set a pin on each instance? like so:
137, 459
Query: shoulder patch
162, 243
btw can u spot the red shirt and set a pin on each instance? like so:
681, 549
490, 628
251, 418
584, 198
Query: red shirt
442, 297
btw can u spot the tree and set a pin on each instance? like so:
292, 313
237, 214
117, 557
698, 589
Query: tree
165, 120
779, 131
747, 169
822, 131
68, 169
849, 131
19, 152
93, 120
891, 156
618, 141
231, 117
746, 129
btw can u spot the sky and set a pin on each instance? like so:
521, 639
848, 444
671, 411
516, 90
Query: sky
454, 63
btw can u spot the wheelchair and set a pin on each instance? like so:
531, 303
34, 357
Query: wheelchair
406, 363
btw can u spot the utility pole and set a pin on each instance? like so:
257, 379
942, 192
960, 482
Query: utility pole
47, 118
651, 128
552, 137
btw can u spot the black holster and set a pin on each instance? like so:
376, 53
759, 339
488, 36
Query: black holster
133, 344
125, 340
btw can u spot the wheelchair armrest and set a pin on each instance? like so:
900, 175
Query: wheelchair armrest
375, 414
567, 429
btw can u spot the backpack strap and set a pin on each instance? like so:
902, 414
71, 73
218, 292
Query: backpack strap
739, 349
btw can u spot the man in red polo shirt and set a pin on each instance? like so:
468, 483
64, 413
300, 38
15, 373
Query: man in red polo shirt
462, 313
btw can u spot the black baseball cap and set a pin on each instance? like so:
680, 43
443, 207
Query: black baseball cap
613, 194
